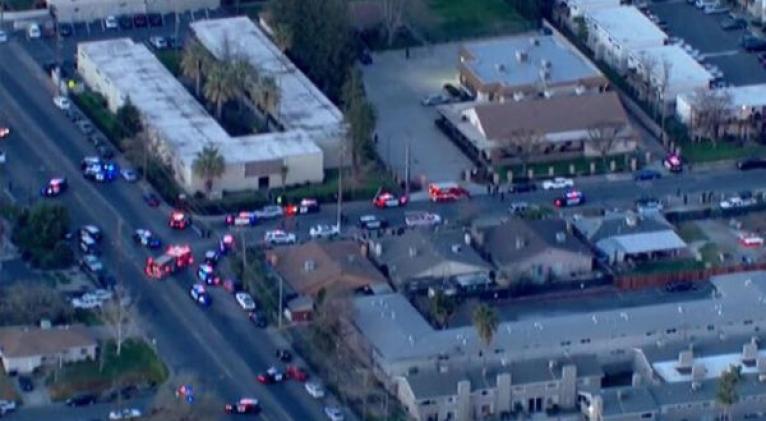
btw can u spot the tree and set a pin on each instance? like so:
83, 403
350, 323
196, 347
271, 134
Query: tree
485, 322
193, 63
209, 165
270, 95
442, 307
26, 303
119, 316
398, 14
522, 144
220, 86
602, 138
360, 116
582, 29
727, 389
167, 406
39, 233
129, 119
711, 109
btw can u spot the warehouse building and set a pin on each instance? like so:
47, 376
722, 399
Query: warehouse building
180, 127
302, 106
90, 10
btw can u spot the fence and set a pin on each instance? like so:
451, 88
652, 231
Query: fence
661, 279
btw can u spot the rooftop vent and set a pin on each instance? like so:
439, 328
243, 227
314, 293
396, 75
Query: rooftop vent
534, 41
521, 56
456, 248
309, 265
413, 252
500, 67
561, 237
631, 220
545, 64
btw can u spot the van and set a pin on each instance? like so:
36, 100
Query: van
33, 31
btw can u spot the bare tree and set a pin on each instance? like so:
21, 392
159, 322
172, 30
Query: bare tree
523, 144
401, 13
119, 316
711, 110
602, 138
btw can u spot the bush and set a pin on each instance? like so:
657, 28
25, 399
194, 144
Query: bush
24, 304
39, 233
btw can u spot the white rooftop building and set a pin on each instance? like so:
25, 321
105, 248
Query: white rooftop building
581, 7
616, 31
745, 101
685, 74
302, 105
181, 127
90, 10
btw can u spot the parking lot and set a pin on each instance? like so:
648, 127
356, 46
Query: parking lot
716, 46
396, 85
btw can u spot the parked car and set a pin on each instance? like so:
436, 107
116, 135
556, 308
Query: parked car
158, 42
65, 29
62, 102
649, 205
333, 413
125, 414
269, 212
435, 99
272, 375
81, 400
522, 187
275, 237
155, 19
315, 390
26, 384
753, 44
715, 9
243, 406
110, 22
731, 24
324, 231
558, 183
126, 22
647, 174
453, 91
129, 174
284, 355
751, 164
245, 301
421, 219
140, 21
372, 222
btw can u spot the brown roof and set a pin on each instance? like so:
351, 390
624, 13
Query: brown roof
23, 341
552, 115
338, 264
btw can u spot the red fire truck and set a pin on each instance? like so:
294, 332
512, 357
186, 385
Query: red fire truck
446, 192
176, 257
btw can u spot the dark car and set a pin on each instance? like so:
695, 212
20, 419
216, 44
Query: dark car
751, 164
522, 187
258, 319
284, 355
105, 152
731, 24
126, 22
151, 199
26, 384
65, 29
453, 91
753, 44
680, 286
81, 400
365, 57
645, 175
155, 19
140, 21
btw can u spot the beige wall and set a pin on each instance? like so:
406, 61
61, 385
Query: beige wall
31, 363
90, 10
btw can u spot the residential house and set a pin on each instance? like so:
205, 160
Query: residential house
628, 237
525, 387
543, 129
526, 66
741, 115
533, 250
419, 259
24, 349
307, 269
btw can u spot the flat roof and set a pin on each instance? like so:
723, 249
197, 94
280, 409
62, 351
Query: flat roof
683, 70
495, 60
748, 96
302, 105
626, 25
170, 110
398, 332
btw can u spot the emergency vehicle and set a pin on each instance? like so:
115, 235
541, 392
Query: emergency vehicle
446, 192
750, 240
673, 163
303, 207
570, 198
199, 294
206, 274
388, 200
54, 187
243, 406
241, 219
179, 220
176, 257
226, 244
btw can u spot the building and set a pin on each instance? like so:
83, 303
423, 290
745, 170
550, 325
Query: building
534, 251
24, 349
578, 8
419, 259
72, 11
616, 31
180, 127
684, 73
526, 66
743, 116
556, 128
302, 107
627, 237
529, 387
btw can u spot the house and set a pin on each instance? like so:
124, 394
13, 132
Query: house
741, 108
533, 250
336, 266
540, 130
72, 11
616, 31
24, 349
625, 236
419, 259
526, 66
525, 387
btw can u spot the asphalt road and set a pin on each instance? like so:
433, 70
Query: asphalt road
219, 345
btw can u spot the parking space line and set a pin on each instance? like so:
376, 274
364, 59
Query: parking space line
720, 54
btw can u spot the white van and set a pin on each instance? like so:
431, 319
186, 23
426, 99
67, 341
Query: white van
33, 31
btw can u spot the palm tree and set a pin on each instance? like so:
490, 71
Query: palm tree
220, 86
270, 96
209, 165
442, 307
193, 63
727, 389
485, 321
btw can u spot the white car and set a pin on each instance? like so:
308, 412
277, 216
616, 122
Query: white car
125, 414
422, 219
62, 102
324, 231
33, 31
314, 389
111, 22
436, 99
279, 237
269, 212
129, 174
101, 294
3, 36
7, 406
333, 413
558, 183
2, 157
737, 202
86, 302
160, 43
245, 301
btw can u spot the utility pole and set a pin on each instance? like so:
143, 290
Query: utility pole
340, 186
281, 310
407, 169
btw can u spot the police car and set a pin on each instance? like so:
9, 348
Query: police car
146, 238
269, 212
279, 237
570, 198
206, 273
305, 206
54, 187
243, 406
199, 294
242, 219
102, 172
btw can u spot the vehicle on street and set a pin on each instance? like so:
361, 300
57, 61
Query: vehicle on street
570, 198
86, 302
65, 30
5, 131
3, 36
750, 240
81, 400
26, 384
522, 187
55, 187
241, 219
453, 91
324, 231
89, 161
446, 192
731, 24
62, 102
422, 219
90, 263
303, 207
226, 244
110, 22
751, 164
179, 220
155, 19
558, 183
737, 202
272, 375
646, 175
33, 31
269, 212
126, 22
245, 301
151, 199
518, 207
293, 372
435, 99
278, 237
92, 231
284, 355
206, 274
388, 200
212, 257
199, 294
243, 406
159, 43
102, 172
648, 205
315, 390
176, 257
715, 9
333, 413
752, 43
372, 222
679, 286
129, 174
673, 163
258, 318
125, 414
7, 407
147, 239
140, 21
88, 245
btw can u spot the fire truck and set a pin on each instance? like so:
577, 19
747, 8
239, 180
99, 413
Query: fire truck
446, 192
179, 220
176, 257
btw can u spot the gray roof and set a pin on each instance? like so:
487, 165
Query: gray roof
414, 253
627, 400
495, 61
629, 232
399, 333
432, 383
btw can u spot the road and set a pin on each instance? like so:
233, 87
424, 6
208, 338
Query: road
219, 345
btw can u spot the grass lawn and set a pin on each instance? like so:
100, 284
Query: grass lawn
459, 19
667, 267
136, 365
691, 232
707, 152
711, 254
92, 105
171, 59
7, 389
562, 168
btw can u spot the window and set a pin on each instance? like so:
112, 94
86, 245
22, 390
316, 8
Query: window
585, 341
710, 327
671, 331
566, 343
551, 385
647, 415
748, 322
83, 351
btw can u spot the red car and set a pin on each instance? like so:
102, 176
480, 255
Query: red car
179, 220
4, 132
673, 163
243, 406
272, 375
296, 373
389, 200
446, 192
303, 207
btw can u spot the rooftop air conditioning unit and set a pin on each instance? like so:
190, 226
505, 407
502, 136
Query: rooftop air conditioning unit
500, 67
521, 56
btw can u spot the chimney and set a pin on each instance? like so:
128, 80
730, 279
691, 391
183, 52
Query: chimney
500, 67
749, 353
309, 265
467, 239
561, 237
534, 41
413, 251
685, 360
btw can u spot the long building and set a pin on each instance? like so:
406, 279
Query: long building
180, 127
89, 10
302, 106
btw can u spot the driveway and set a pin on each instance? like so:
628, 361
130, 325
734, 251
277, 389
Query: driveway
396, 85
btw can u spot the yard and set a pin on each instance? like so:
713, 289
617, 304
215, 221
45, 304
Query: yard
707, 152
7, 390
137, 365
564, 167
459, 19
